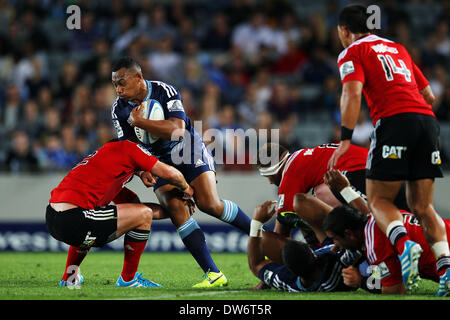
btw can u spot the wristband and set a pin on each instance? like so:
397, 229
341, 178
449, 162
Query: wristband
255, 228
349, 194
346, 133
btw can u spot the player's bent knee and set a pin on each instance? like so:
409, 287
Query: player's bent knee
211, 207
145, 216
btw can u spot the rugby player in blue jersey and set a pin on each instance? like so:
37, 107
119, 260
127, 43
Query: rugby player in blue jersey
176, 137
294, 266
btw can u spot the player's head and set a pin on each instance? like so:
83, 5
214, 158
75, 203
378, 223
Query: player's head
299, 258
127, 78
345, 225
352, 23
271, 160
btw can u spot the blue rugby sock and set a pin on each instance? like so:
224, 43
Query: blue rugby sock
233, 215
194, 240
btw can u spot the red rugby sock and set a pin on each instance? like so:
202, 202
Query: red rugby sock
74, 258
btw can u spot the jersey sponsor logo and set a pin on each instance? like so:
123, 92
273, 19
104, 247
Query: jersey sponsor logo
346, 68
436, 158
393, 152
382, 48
175, 105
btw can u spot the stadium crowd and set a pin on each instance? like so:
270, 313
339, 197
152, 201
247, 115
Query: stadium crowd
237, 63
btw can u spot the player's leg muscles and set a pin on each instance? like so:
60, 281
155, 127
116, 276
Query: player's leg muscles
187, 228
175, 208
132, 216
380, 198
206, 195
420, 199
208, 201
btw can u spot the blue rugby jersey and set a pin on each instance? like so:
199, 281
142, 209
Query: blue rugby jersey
330, 279
170, 99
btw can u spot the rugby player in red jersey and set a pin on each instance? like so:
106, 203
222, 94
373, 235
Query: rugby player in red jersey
355, 230
405, 141
80, 214
303, 171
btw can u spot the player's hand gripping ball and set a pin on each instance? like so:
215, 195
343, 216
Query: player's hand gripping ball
151, 110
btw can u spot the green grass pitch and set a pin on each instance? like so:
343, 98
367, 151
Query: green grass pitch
35, 276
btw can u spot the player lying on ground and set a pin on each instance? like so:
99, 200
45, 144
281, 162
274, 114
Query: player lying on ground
405, 141
303, 172
79, 211
292, 265
176, 137
354, 230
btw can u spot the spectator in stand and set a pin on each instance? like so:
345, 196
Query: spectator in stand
218, 35
31, 123
250, 107
288, 137
10, 111
281, 103
20, 157
164, 62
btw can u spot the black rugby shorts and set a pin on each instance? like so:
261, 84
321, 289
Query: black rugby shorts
404, 147
81, 227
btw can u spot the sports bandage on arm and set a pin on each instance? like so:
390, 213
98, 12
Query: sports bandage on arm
349, 194
256, 228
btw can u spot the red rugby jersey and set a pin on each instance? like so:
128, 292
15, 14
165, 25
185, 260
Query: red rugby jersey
98, 179
391, 79
379, 250
305, 169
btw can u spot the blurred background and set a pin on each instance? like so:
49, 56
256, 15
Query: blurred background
259, 64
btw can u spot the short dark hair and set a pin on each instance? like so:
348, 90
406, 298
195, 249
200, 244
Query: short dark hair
354, 18
299, 258
344, 217
127, 63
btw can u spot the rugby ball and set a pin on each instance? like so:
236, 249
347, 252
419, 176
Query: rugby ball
152, 111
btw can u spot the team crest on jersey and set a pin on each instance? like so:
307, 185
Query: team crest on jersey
346, 68
393, 152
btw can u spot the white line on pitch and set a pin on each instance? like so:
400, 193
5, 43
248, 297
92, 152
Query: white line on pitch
169, 296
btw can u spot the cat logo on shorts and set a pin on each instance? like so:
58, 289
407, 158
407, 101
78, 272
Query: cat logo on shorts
393, 152
436, 158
